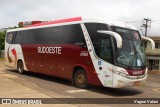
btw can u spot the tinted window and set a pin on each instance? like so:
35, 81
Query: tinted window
67, 34
24, 37
93, 27
19, 37
10, 37
101, 42
94, 35
105, 49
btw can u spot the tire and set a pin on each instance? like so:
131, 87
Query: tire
20, 67
80, 79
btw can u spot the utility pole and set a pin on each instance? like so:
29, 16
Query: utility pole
146, 23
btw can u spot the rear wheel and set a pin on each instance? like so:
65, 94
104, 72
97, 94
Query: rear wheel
20, 67
80, 79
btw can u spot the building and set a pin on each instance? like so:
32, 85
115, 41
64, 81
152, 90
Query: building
153, 56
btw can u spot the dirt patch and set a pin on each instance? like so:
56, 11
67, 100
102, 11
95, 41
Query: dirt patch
1, 59
154, 72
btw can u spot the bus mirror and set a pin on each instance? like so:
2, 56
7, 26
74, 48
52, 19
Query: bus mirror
150, 40
115, 35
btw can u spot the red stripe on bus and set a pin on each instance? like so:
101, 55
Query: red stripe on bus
57, 21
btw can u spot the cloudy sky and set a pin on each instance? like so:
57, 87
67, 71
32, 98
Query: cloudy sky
130, 11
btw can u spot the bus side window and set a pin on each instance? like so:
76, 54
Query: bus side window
9, 38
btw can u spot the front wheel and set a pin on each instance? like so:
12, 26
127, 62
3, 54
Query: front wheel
80, 79
20, 67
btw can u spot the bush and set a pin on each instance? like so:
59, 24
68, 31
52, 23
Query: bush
2, 40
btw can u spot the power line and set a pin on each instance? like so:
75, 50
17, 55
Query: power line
133, 21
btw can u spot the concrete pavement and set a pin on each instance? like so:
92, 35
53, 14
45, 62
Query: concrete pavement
13, 89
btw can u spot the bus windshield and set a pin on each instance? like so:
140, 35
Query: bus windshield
132, 53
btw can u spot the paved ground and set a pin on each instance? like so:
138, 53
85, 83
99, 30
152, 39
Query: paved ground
31, 85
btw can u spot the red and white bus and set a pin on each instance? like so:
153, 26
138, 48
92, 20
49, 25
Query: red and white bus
85, 51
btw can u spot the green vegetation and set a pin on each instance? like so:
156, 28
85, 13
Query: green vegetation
2, 38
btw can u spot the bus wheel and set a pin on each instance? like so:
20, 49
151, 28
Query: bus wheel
20, 67
80, 79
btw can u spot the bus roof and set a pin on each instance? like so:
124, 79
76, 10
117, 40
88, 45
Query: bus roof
74, 20
56, 22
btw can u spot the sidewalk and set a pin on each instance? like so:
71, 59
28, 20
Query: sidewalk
12, 89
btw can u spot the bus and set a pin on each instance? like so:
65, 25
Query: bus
85, 51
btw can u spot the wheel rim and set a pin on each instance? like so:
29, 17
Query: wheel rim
81, 78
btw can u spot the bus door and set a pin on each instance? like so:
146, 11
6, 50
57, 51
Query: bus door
103, 64
105, 49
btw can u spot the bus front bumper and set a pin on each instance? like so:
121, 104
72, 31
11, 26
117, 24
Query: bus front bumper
129, 81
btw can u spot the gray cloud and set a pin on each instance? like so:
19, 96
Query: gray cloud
14, 11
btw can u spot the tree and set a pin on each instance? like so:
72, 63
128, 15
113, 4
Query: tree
2, 40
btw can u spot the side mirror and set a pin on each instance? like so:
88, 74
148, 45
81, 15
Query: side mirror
150, 40
115, 35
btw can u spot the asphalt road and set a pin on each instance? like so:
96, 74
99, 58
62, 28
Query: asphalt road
64, 88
